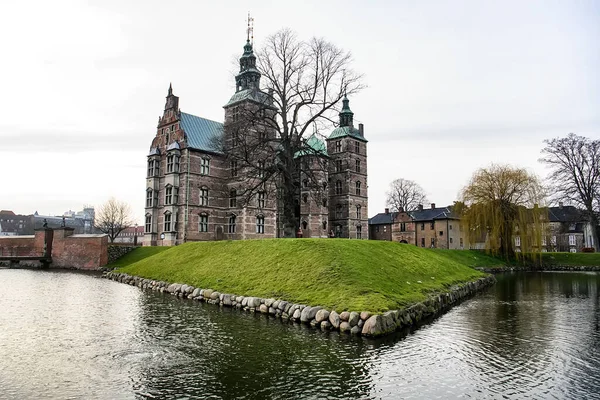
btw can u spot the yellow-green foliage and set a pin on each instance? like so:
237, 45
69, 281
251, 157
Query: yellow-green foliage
499, 203
337, 273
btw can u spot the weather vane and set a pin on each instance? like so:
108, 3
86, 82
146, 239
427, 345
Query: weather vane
250, 31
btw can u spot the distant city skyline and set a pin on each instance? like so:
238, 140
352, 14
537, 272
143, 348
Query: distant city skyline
452, 87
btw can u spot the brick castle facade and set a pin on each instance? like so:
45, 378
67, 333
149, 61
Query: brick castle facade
194, 187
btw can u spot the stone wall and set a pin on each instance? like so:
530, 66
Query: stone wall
117, 251
356, 323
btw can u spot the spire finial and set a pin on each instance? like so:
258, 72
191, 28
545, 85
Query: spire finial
250, 29
170, 89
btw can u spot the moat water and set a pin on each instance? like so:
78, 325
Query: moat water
70, 335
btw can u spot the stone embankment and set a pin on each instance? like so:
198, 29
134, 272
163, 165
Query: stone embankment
117, 251
356, 323
548, 268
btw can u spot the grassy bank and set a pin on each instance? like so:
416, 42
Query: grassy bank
571, 259
335, 273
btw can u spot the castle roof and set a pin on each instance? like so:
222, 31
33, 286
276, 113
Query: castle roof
251, 94
565, 214
429, 214
202, 134
314, 146
344, 131
383, 218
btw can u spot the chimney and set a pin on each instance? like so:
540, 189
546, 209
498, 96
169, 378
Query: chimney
387, 210
361, 129
420, 207
432, 206
400, 209
560, 205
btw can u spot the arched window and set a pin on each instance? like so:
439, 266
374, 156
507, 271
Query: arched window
359, 232
358, 212
325, 225
231, 225
358, 188
149, 198
338, 211
338, 187
304, 225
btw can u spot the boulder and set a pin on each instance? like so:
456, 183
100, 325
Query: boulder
355, 330
334, 319
345, 326
309, 313
264, 309
373, 326
325, 325
353, 318
272, 310
215, 295
253, 302
269, 302
296, 315
344, 316
207, 293
275, 304
365, 315
226, 300
282, 305
322, 315
196, 292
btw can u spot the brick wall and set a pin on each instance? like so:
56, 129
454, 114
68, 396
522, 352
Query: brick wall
79, 251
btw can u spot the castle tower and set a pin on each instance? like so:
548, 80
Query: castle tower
348, 200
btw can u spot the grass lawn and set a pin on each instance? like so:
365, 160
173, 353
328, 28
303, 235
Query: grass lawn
471, 258
358, 275
571, 259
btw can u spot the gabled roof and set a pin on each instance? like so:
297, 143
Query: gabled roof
314, 146
565, 214
249, 94
344, 131
202, 133
383, 218
429, 214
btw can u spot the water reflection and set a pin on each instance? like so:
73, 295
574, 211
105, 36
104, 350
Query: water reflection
67, 335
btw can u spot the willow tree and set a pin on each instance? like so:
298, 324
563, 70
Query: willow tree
499, 205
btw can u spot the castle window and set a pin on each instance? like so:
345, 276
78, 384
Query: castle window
236, 114
338, 187
517, 241
304, 225
205, 166
423, 227
571, 240
150, 168
359, 232
167, 224
450, 227
357, 165
338, 146
233, 166
338, 211
232, 198
231, 225
305, 198
358, 212
305, 183
204, 196
260, 224
432, 225
168, 195
338, 231
172, 163
357, 147
261, 199
203, 223
402, 226
338, 165
148, 223
149, 198
261, 169
441, 233
324, 202
422, 242
432, 243
324, 225
451, 240
358, 188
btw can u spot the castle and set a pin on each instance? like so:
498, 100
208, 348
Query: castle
195, 187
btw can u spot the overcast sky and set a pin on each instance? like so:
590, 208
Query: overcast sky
452, 86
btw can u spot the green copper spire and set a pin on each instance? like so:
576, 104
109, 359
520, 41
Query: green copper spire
346, 115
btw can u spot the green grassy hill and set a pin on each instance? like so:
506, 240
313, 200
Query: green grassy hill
336, 273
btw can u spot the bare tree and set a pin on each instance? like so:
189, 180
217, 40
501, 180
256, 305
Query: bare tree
405, 194
113, 217
272, 139
575, 174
